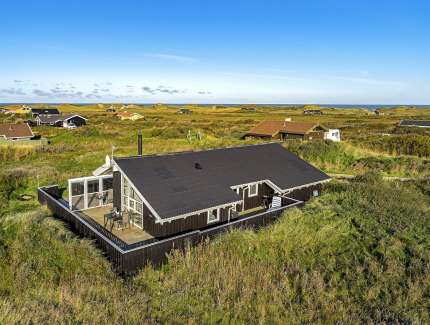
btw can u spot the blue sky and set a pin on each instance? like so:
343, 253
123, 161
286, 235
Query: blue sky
368, 52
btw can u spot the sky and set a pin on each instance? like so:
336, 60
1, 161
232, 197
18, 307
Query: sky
201, 51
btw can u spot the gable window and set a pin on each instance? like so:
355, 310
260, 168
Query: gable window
213, 215
316, 193
132, 203
253, 190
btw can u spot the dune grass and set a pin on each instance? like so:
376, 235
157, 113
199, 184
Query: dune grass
358, 253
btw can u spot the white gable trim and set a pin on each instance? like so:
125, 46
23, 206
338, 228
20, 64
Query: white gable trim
155, 214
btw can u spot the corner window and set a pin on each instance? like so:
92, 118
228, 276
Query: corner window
253, 190
316, 193
213, 215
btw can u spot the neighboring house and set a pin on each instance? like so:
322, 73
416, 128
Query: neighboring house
415, 123
16, 132
22, 110
286, 130
248, 109
66, 121
44, 111
312, 112
184, 111
129, 116
379, 113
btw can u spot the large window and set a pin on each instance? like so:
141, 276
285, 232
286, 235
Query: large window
213, 215
132, 203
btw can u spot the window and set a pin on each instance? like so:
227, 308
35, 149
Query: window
107, 183
213, 215
93, 186
77, 188
253, 190
316, 193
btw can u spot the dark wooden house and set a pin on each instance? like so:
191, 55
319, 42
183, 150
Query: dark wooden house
139, 208
184, 111
44, 111
415, 123
312, 112
175, 193
66, 121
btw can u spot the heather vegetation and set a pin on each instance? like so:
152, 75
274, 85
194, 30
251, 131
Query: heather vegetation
358, 253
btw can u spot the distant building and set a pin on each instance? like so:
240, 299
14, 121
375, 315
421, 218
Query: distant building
312, 112
111, 109
22, 110
129, 116
184, 111
379, 113
248, 109
415, 123
15, 132
44, 111
70, 121
287, 130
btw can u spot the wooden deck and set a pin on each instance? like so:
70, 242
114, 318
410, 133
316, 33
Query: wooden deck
131, 234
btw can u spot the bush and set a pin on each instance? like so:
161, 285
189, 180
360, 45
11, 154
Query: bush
322, 153
408, 144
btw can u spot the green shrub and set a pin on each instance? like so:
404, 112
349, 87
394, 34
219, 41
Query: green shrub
407, 144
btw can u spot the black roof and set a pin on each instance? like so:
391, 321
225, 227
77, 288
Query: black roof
56, 118
415, 123
179, 183
45, 111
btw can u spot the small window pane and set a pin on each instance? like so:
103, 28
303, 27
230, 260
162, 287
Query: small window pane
107, 183
316, 193
93, 186
77, 188
139, 207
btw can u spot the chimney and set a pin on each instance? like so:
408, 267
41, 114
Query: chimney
287, 119
139, 144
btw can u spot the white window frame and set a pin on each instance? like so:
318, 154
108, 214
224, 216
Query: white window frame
126, 199
316, 193
85, 181
217, 216
249, 190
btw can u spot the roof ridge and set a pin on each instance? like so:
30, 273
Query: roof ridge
197, 151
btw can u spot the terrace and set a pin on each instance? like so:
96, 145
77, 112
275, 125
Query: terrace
128, 233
